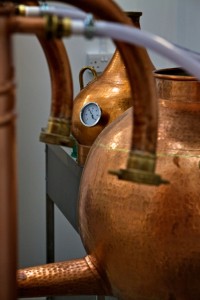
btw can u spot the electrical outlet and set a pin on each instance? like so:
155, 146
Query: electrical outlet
98, 60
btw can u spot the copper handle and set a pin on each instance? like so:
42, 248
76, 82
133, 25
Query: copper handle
82, 71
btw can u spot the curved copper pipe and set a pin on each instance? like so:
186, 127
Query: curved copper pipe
142, 157
58, 63
59, 122
145, 119
139, 70
77, 277
61, 78
58, 128
142, 160
8, 224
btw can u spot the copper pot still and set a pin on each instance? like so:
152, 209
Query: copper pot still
111, 91
147, 238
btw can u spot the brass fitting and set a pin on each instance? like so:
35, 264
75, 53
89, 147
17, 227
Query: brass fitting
20, 10
57, 132
57, 27
140, 169
141, 161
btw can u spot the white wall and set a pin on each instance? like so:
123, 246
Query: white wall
176, 20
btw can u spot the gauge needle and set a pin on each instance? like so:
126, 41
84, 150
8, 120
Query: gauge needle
91, 114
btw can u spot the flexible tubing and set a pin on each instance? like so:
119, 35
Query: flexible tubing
141, 38
174, 52
35, 11
78, 14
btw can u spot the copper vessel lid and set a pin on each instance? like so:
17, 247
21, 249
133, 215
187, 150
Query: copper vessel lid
177, 89
173, 74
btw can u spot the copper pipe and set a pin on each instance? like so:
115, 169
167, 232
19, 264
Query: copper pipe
8, 224
58, 62
28, 25
60, 72
112, 93
78, 277
144, 138
58, 128
61, 77
59, 123
139, 72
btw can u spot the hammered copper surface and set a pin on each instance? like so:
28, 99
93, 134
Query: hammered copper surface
8, 224
147, 239
111, 90
72, 278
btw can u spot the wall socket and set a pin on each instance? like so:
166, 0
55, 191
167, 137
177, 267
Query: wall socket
98, 60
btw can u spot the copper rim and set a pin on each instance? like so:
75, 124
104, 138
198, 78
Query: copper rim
176, 74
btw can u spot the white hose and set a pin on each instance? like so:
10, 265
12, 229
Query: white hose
36, 11
141, 38
182, 57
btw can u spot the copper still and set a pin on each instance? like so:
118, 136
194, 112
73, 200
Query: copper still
111, 91
147, 239
143, 241
77, 277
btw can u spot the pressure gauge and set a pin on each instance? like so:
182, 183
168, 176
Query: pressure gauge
90, 114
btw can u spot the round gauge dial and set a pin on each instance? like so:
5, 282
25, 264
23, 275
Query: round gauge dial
90, 114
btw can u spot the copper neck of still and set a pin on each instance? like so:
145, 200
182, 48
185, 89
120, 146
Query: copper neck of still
115, 74
180, 106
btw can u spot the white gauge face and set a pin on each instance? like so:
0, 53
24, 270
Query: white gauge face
90, 114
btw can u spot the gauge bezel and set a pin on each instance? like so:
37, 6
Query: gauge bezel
82, 111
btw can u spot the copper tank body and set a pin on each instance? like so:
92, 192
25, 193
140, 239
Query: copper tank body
111, 90
147, 239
